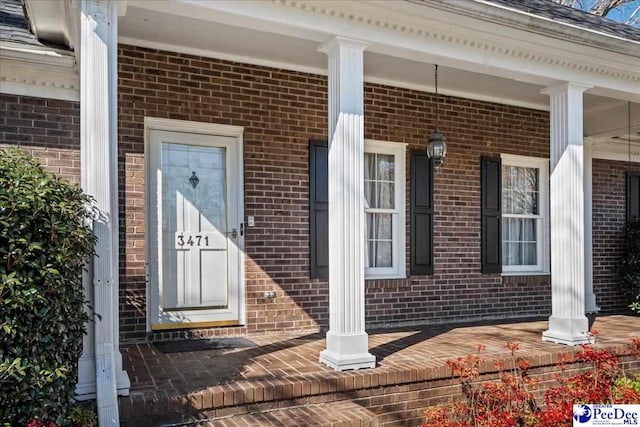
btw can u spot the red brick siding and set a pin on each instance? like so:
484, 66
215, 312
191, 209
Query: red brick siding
609, 218
49, 129
457, 290
280, 111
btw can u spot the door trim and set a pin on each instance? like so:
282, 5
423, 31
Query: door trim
214, 129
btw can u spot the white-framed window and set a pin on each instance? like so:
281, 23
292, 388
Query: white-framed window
384, 193
525, 214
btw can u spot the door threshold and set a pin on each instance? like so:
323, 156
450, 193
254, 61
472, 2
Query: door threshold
193, 325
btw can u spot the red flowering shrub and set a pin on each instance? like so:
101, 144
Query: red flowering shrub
510, 402
40, 423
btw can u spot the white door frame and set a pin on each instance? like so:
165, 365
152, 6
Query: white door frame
184, 126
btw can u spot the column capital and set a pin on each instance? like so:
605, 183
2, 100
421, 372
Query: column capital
337, 42
565, 87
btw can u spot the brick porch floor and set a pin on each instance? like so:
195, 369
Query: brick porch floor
211, 383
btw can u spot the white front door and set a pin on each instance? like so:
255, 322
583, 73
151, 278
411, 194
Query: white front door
195, 230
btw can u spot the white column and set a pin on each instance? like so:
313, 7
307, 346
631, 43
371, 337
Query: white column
568, 323
590, 297
98, 132
347, 341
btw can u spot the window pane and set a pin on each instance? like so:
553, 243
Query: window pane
378, 226
507, 201
369, 166
385, 195
379, 240
380, 254
379, 186
505, 230
386, 167
519, 239
529, 254
528, 230
520, 190
510, 254
369, 194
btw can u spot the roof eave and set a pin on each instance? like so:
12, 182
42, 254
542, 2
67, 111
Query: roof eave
499, 14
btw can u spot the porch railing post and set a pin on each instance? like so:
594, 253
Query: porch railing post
347, 341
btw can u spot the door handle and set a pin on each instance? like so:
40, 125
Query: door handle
233, 233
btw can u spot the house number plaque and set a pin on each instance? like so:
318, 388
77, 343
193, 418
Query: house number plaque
193, 240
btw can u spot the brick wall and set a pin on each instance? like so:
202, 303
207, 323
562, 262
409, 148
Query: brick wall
457, 290
48, 129
609, 218
282, 110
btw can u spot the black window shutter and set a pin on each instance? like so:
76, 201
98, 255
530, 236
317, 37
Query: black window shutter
633, 196
421, 213
491, 210
319, 208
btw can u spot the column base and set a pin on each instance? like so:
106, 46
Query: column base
86, 387
568, 331
347, 352
590, 304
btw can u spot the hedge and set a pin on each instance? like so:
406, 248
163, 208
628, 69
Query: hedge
44, 244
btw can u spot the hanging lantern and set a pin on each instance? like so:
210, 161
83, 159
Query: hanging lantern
437, 148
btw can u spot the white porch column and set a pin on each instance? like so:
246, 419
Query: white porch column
568, 323
590, 297
347, 341
98, 133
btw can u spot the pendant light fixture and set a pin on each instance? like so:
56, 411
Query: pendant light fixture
437, 148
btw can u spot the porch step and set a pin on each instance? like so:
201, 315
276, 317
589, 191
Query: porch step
334, 414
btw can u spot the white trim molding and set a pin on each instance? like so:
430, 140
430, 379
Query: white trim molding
39, 72
187, 126
542, 229
398, 151
475, 44
201, 130
618, 150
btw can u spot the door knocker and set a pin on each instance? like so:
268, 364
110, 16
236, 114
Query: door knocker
194, 180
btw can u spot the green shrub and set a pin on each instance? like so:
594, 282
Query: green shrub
43, 247
630, 266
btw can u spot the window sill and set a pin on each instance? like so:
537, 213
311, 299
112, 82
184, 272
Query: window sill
526, 273
386, 277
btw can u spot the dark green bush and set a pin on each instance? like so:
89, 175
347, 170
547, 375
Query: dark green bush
43, 247
630, 266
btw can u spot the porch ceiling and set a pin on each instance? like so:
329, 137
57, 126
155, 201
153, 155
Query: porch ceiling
189, 27
152, 28
479, 59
